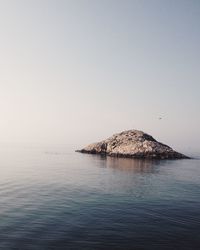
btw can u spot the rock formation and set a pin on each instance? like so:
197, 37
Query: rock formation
132, 144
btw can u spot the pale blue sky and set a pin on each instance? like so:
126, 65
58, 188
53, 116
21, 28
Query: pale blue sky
81, 70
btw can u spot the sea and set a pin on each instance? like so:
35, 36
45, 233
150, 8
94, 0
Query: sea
52, 198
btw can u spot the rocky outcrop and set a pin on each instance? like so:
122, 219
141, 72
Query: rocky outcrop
132, 144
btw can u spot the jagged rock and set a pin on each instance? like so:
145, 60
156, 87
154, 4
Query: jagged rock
132, 144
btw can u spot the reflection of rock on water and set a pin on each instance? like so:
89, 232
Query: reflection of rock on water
133, 165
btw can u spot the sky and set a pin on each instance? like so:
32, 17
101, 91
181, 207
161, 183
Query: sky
77, 71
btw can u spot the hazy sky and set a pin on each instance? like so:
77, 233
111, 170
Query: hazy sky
76, 71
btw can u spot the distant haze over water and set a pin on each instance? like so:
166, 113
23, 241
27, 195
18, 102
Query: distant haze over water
78, 71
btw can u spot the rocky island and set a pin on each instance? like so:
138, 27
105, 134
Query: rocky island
133, 144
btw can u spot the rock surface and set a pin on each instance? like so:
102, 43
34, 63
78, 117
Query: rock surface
132, 144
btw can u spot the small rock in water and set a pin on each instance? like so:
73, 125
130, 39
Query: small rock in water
133, 144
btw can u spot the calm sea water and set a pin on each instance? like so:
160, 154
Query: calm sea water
54, 198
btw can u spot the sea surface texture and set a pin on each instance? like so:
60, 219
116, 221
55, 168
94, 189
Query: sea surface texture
54, 198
